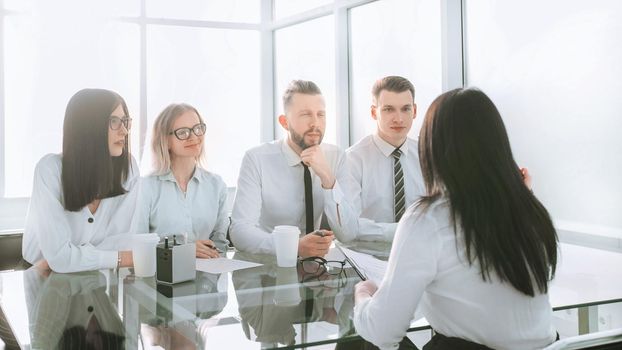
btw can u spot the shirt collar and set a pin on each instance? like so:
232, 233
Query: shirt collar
168, 176
290, 155
387, 148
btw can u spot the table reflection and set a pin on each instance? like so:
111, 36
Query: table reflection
180, 315
71, 311
276, 304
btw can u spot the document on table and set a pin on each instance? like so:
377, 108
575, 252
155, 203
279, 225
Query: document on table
372, 267
220, 265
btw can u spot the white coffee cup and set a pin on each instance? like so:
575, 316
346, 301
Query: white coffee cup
144, 253
287, 289
286, 244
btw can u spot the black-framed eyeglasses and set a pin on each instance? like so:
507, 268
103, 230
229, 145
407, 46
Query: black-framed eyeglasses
116, 122
184, 133
317, 265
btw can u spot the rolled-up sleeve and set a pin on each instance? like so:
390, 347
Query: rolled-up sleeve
338, 205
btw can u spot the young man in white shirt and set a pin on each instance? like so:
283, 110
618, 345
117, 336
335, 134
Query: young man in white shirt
385, 184
271, 186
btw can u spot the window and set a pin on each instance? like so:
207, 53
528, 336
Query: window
307, 51
395, 37
285, 8
45, 62
206, 10
556, 83
220, 77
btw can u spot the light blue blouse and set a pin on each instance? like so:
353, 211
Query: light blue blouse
200, 213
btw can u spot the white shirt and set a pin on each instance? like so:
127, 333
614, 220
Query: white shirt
271, 192
428, 267
371, 167
201, 212
75, 241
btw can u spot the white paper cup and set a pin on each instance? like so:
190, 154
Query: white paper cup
287, 289
144, 254
286, 244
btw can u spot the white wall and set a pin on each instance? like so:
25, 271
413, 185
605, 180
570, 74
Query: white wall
554, 70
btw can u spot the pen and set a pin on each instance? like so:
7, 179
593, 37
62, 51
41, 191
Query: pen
213, 247
320, 233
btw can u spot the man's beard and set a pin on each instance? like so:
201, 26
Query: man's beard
300, 139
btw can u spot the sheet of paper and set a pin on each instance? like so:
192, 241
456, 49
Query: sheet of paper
220, 265
334, 253
373, 268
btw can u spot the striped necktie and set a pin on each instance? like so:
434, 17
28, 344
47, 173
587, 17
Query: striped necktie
398, 188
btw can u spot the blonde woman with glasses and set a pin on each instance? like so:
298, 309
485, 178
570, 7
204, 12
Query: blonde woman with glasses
180, 197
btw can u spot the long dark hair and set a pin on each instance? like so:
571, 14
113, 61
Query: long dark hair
89, 172
465, 156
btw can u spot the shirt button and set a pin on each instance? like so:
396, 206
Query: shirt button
90, 220
90, 309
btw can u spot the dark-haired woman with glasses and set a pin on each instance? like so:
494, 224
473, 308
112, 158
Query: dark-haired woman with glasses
477, 252
83, 200
182, 198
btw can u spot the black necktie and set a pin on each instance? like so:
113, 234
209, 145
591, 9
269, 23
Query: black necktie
308, 200
398, 185
309, 229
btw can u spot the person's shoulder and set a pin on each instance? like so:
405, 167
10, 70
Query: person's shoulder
362, 146
50, 163
50, 159
48, 172
150, 180
211, 177
434, 215
265, 148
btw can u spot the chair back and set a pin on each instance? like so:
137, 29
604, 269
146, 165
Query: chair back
11, 251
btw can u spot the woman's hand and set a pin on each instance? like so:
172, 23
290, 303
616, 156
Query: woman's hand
526, 177
43, 268
364, 290
206, 249
126, 259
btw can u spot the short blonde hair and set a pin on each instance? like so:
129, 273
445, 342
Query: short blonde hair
161, 129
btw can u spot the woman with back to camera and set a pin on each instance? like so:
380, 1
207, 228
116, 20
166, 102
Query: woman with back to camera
181, 197
479, 244
83, 200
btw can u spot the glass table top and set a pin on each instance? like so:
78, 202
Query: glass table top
261, 307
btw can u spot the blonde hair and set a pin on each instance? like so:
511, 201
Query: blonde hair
161, 129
